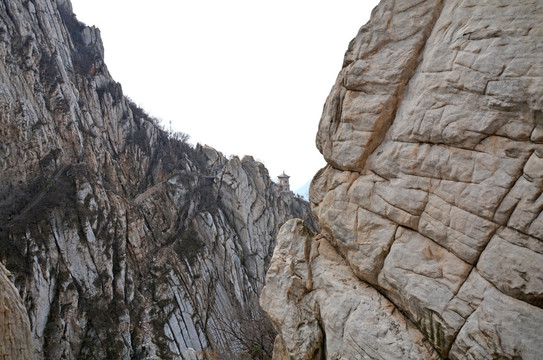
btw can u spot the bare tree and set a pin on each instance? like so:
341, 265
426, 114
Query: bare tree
252, 331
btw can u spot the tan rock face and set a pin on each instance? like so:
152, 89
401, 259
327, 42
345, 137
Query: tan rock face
322, 309
15, 336
432, 193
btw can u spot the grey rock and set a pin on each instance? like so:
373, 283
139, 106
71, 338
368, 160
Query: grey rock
124, 242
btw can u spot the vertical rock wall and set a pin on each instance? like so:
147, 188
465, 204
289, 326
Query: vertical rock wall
124, 242
432, 197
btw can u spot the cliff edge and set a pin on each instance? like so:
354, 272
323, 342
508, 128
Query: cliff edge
431, 203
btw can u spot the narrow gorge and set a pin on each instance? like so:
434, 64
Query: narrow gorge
117, 239
422, 239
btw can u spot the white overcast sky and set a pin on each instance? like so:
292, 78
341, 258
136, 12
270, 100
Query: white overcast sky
247, 77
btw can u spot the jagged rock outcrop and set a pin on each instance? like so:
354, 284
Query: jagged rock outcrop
124, 242
431, 203
325, 300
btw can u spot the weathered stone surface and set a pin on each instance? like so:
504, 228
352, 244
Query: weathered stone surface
500, 327
311, 291
15, 336
433, 189
361, 106
124, 242
513, 262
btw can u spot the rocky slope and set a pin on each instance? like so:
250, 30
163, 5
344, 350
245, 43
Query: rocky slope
123, 242
431, 203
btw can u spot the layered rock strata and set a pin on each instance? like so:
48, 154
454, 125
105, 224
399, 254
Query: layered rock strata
431, 203
124, 242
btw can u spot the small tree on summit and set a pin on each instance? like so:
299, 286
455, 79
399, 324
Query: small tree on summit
181, 136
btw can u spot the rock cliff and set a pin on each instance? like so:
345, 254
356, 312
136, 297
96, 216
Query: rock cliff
124, 242
431, 203
15, 336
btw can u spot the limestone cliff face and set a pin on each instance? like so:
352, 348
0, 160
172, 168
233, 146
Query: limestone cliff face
431, 203
123, 242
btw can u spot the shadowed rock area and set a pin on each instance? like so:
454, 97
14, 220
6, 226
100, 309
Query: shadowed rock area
123, 241
431, 203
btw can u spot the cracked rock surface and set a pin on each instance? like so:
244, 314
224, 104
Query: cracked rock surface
431, 201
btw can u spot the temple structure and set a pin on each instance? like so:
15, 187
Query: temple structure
283, 181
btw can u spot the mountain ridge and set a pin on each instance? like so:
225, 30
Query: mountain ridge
123, 242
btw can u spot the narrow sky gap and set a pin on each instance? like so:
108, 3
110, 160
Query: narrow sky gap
243, 76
